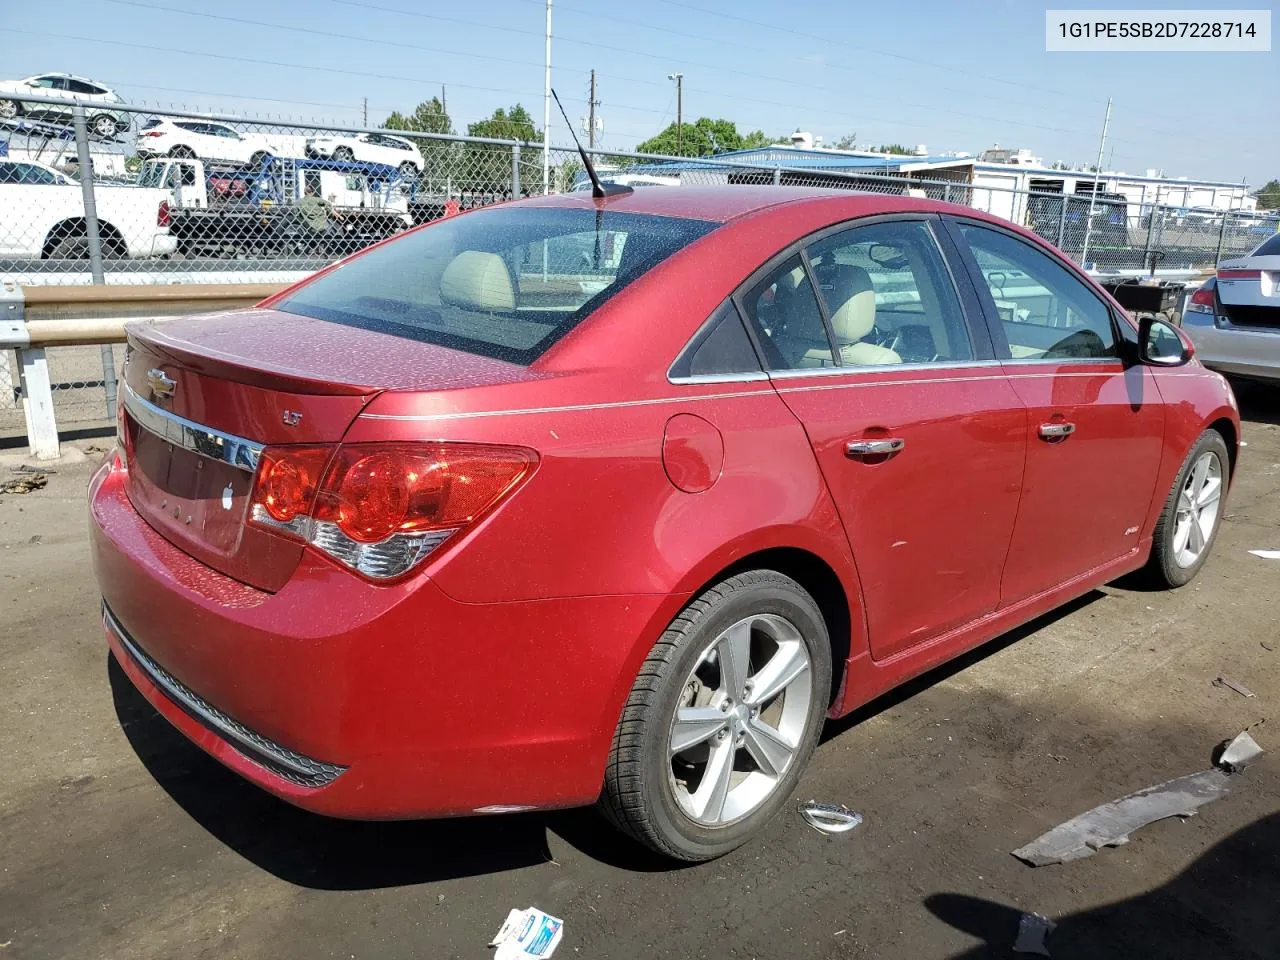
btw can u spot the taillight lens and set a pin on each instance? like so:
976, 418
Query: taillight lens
380, 509
153, 133
1201, 301
163, 216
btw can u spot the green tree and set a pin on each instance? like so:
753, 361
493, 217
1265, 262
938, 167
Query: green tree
702, 138
437, 155
848, 142
895, 149
486, 167
1269, 196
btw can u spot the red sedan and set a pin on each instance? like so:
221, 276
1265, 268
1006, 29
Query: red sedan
576, 499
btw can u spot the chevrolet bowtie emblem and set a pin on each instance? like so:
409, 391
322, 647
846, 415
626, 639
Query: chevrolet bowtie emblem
162, 387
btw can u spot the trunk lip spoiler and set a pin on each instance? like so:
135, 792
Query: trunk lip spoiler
213, 444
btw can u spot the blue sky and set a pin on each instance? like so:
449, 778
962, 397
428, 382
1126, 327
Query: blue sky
949, 75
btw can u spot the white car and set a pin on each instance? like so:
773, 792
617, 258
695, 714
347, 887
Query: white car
381, 148
1234, 318
46, 221
206, 139
103, 120
29, 172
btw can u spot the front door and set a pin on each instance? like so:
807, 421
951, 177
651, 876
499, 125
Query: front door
918, 433
1096, 422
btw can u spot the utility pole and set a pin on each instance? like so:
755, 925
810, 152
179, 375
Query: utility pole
444, 104
366, 112
679, 79
546, 122
1093, 197
592, 103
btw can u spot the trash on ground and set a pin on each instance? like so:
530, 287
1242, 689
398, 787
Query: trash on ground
1238, 753
1109, 825
1032, 929
1266, 554
24, 484
24, 468
829, 817
527, 933
1232, 685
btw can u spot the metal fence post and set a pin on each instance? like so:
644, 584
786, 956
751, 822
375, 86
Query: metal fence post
946, 192
1222, 236
777, 176
1062, 221
515, 171
1151, 227
94, 237
37, 404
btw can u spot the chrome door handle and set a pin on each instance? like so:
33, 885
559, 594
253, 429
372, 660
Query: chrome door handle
1056, 431
858, 449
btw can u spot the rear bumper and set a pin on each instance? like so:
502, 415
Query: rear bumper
361, 701
1231, 349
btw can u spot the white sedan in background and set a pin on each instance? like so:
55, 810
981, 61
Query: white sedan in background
370, 148
1234, 318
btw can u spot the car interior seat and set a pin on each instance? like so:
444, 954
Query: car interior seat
852, 297
480, 281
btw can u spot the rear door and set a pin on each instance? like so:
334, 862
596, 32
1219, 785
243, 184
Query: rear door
914, 425
1096, 423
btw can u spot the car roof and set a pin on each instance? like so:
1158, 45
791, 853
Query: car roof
725, 203
69, 76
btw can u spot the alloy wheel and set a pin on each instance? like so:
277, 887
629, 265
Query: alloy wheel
740, 720
1197, 511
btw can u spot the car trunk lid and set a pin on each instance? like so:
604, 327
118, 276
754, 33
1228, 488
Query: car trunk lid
204, 395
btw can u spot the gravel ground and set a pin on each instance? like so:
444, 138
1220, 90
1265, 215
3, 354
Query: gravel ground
119, 840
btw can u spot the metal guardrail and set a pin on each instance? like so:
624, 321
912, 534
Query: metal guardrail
33, 318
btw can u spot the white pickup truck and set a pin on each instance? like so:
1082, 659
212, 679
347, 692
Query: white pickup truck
45, 220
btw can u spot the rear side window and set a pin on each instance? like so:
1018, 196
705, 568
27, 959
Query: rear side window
505, 283
784, 314
1271, 248
720, 348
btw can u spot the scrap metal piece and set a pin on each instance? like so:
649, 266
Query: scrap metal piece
1266, 554
1032, 929
1109, 825
1239, 753
1232, 685
829, 817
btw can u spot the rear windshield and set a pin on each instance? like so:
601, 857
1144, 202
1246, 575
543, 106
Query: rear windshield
504, 283
1271, 248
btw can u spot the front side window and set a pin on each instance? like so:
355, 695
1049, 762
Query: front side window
50, 83
784, 314
503, 283
889, 296
30, 173
1046, 312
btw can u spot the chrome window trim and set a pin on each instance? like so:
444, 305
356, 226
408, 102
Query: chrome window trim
880, 368
279, 759
1038, 360
214, 444
755, 377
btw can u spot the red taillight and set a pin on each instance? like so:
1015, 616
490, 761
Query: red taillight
381, 508
1203, 298
163, 216
1239, 274
153, 133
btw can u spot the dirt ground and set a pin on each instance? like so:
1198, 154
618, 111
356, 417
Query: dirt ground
120, 840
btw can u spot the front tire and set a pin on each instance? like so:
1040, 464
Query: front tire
104, 126
1192, 513
182, 152
343, 155
9, 110
722, 719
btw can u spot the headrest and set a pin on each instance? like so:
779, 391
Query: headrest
478, 281
852, 299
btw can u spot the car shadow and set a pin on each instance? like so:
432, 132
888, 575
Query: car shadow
906, 691
325, 853
1223, 905
1259, 402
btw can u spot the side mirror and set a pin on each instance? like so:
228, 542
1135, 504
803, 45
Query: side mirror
1160, 344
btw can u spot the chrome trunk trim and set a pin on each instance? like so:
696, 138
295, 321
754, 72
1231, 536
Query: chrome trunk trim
224, 447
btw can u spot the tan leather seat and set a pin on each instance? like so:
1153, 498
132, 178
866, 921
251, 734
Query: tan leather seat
480, 281
852, 297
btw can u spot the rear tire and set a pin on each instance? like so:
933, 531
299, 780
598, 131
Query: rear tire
1192, 514
9, 110
762, 641
343, 154
182, 152
104, 125
408, 169
258, 159
70, 248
